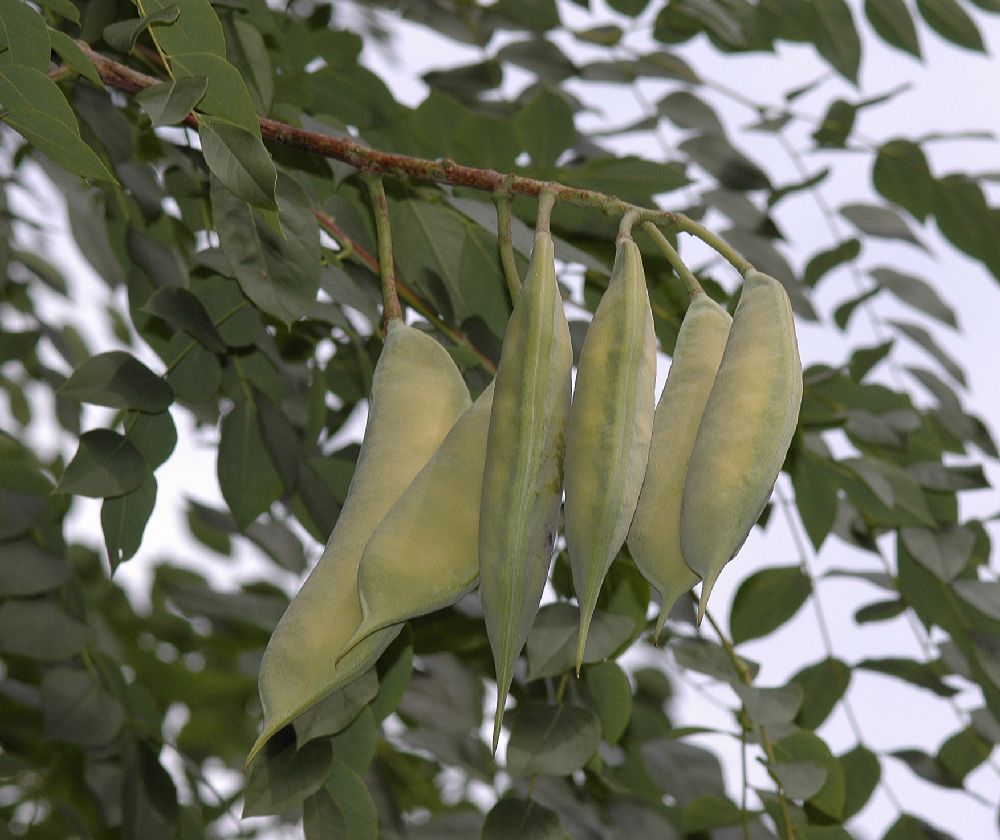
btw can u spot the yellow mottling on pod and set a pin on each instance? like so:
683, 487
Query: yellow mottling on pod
610, 424
654, 539
417, 395
522, 482
745, 431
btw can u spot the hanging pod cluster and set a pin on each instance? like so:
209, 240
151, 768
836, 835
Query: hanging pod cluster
447, 495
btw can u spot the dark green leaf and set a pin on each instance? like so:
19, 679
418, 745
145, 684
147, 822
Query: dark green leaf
831, 29
926, 767
196, 30
545, 129
685, 110
916, 673
901, 175
342, 809
70, 52
944, 552
552, 740
24, 38
524, 819
77, 710
123, 34
732, 169
865, 358
239, 160
607, 35
169, 103
247, 475
282, 777
119, 380
815, 485
825, 261
766, 600
708, 658
916, 292
38, 629
919, 335
551, 645
770, 706
962, 753
708, 813
803, 749
880, 611
908, 827
879, 221
609, 694
34, 106
28, 569
983, 595
965, 218
823, 685
154, 436
891, 19
105, 464
862, 772
799, 779
337, 710
123, 521
836, 126
952, 22
685, 771
467, 82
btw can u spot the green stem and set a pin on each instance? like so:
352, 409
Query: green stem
546, 201
714, 241
504, 204
680, 269
629, 221
380, 209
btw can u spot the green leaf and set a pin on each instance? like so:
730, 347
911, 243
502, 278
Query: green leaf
153, 435
892, 21
799, 779
919, 335
282, 777
63, 8
28, 569
123, 34
227, 97
879, 221
952, 22
687, 111
123, 521
825, 261
803, 748
342, 809
708, 813
916, 292
908, 827
685, 771
880, 611
865, 358
836, 126
24, 37
169, 103
105, 464
336, 712
902, 175
944, 552
524, 819
118, 380
182, 310
609, 694
196, 30
77, 710
862, 772
551, 645
983, 595
239, 160
545, 129
919, 674
39, 629
831, 28
770, 706
551, 740
823, 685
247, 476
395, 668
730, 168
70, 52
766, 600
964, 217
35, 107
962, 753
279, 273
815, 485
706, 657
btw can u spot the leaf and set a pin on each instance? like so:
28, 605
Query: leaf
279, 273
766, 600
962, 753
919, 335
865, 358
39, 629
336, 712
708, 658
239, 160
63, 8
710, 812
36, 108
916, 292
803, 748
965, 218
545, 129
902, 175
823, 685
123, 521
891, 19
718, 158
227, 97
687, 111
686, 771
608, 692
522, 818
831, 29
880, 611
24, 38
879, 221
29, 569
825, 261
182, 310
983, 595
154, 436
836, 126
77, 710
916, 673
944, 552
342, 809
551, 740
815, 485
952, 22
770, 706
118, 380
247, 475
862, 773
282, 777
169, 103
799, 779
105, 464
196, 30
551, 645
123, 34
70, 52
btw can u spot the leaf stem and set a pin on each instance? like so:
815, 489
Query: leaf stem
387, 269
680, 269
504, 204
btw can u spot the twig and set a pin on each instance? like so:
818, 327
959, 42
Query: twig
505, 239
387, 267
676, 263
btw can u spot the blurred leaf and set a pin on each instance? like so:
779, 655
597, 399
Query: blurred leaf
239, 160
983, 595
39, 629
837, 125
799, 779
802, 750
915, 673
952, 22
831, 29
247, 476
917, 293
902, 175
879, 221
282, 777
962, 753
118, 380
891, 19
105, 464
77, 710
551, 645
545, 129
766, 600
28, 569
823, 685
944, 552
770, 706
609, 694
710, 812
687, 111
919, 335
552, 740
522, 818
340, 810
24, 36
124, 519
825, 261
718, 158
815, 486
862, 773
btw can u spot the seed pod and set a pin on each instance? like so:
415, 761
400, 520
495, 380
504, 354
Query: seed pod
610, 424
654, 539
417, 395
522, 481
423, 556
745, 431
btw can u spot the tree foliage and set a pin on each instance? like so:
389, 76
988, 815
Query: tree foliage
240, 269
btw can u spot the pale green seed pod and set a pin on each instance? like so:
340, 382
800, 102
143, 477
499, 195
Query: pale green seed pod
654, 538
610, 424
522, 482
417, 395
745, 431
424, 554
